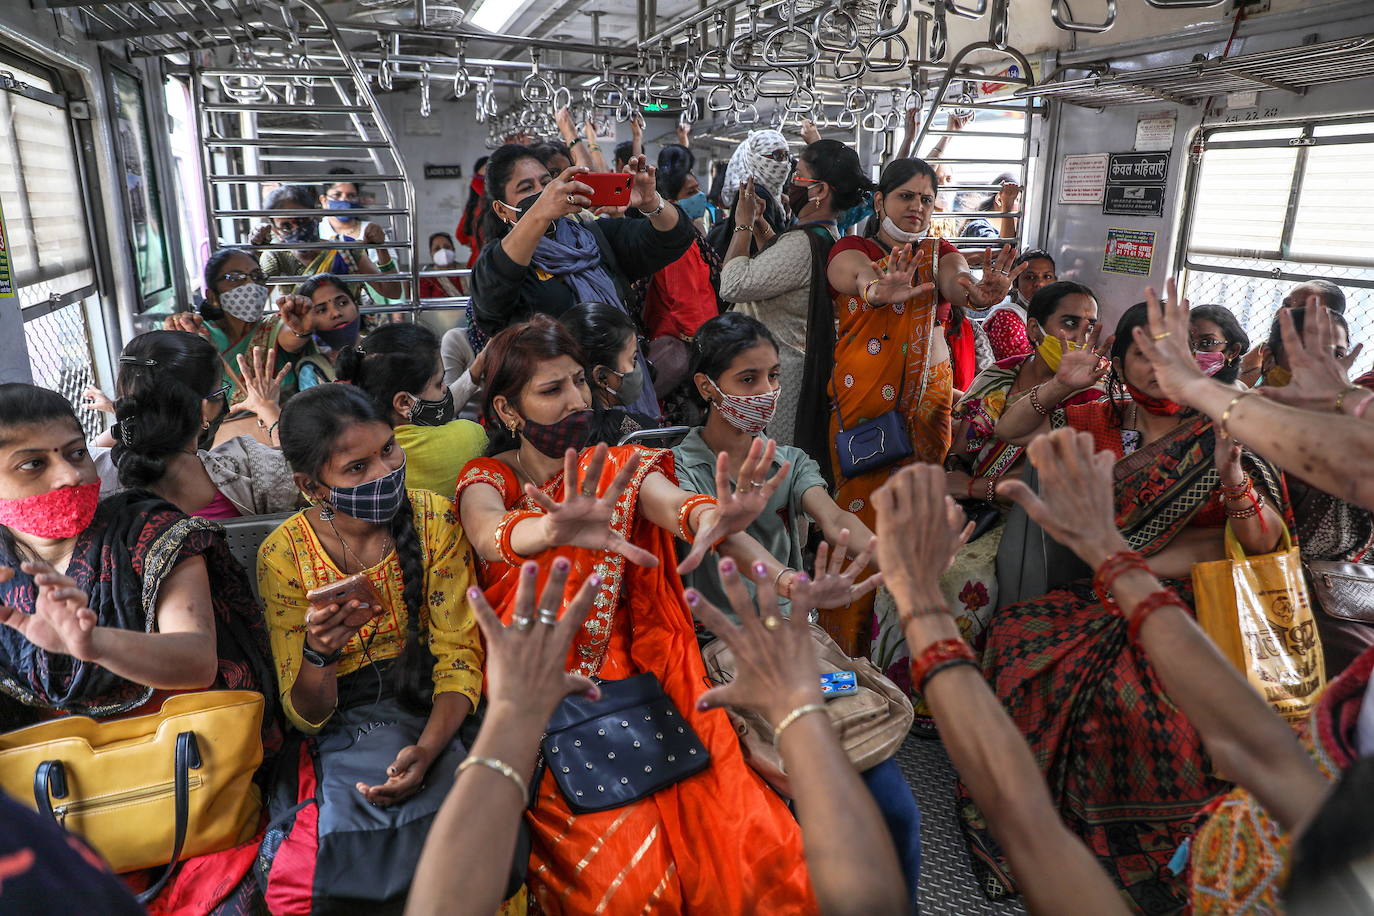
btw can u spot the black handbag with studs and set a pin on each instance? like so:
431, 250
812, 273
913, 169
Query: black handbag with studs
622, 748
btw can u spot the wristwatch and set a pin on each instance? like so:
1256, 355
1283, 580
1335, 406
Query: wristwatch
319, 660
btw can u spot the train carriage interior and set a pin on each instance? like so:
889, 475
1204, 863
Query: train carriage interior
1224, 143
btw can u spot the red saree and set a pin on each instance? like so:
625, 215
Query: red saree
719, 842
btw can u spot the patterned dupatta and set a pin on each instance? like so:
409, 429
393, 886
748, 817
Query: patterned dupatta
981, 408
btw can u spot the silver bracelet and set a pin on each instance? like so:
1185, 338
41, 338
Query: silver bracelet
777, 580
661, 204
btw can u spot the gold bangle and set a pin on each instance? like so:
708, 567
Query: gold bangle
1226, 414
793, 716
1340, 398
863, 294
497, 766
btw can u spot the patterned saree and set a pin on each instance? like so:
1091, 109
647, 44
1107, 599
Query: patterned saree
1125, 768
718, 842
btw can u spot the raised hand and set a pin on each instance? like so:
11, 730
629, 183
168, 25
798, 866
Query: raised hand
295, 312
833, 585
809, 132
374, 234
1164, 341
644, 192
1320, 378
1227, 456
190, 322
736, 507
1076, 504
775, 659
566, 128
920, 530
1083, 368
747, 209
95, 399
525, 661
997, 279
894, 281
583, 519
563, 196
261, 382
61, 622
261, 235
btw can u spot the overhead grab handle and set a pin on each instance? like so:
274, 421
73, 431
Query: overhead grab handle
1062, 20
893, 16
975, 12
1183, 4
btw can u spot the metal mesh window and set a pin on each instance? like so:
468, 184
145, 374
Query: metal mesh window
1270, 208
60, 355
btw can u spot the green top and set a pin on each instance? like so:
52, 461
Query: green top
780, 528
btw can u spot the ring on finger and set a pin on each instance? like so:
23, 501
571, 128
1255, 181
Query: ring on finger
756, 484
548, 616
772, 622
522, 623
571, 200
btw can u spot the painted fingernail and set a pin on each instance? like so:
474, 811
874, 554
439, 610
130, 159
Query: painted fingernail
727, 565
530, 569
562, 564
760, 569
802, 578
474, 593
703, 705
693, 598
596, 580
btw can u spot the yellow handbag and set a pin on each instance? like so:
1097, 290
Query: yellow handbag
147, 790
1257, 612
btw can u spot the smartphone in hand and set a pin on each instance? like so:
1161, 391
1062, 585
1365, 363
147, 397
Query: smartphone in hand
609, 189
341, 591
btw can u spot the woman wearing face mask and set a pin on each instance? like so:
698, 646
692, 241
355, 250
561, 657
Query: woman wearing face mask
386, 680
339, 198
333, 321
1062, 659
169, 402
469, 227
149, 603
305, 230
1218, 341
784, 284
1005, 324
1061, 318
608, 341
398, 366
615, 514
442, 256
762, 156
540, 260
901, 342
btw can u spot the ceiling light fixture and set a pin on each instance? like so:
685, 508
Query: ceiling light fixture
495, 15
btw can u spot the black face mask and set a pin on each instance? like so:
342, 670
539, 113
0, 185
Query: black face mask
304, 232
797, 200
432, 413
525, 203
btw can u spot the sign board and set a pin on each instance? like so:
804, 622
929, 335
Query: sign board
1129, 251
6, 268
1083, 179
1155, 133
1128, 200
443, 171
1138, 168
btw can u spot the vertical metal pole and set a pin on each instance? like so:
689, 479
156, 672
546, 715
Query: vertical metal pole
206, 163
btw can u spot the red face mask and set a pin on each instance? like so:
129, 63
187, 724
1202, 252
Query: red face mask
1160, 407
56, 514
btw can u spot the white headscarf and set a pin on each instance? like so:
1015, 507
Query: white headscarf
750, 160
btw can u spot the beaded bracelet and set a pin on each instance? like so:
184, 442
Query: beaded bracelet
991, 495
505, 529
1111, 569
1244, 490
684, 515
1035, 402
1250, 511
935, 655
944, 666
1148, 605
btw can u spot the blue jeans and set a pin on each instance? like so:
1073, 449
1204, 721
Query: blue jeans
898, 806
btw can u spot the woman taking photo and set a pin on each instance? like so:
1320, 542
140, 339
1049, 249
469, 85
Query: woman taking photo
398, 366
400, 659
1060, 662
784, 284
169, 405
614, 513
609, 342
894, 295
148, 603
539, 259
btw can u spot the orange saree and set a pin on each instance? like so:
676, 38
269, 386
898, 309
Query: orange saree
719, 842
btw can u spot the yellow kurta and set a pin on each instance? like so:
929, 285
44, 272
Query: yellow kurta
291, 562
436, 455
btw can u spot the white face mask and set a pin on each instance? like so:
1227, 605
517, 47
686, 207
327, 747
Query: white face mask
444, 257
902, 235
245, 302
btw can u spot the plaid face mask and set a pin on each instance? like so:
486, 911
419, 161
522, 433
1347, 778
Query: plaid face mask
376, 501
555, 439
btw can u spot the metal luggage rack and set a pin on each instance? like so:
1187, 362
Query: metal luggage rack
1292, 70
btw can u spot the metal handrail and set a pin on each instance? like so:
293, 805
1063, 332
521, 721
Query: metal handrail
1062, 20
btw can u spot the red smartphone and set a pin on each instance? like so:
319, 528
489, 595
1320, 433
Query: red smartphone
609, 189
341, 591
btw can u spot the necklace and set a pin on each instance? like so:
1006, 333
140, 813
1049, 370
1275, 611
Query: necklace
348, 551
528, 476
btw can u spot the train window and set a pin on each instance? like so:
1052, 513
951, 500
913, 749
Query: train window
142, 194
1271, 207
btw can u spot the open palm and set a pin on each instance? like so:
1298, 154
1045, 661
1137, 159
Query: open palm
61, 622
737, 507
582, 518
1084, 368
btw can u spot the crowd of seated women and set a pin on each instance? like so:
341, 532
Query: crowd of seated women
443, 586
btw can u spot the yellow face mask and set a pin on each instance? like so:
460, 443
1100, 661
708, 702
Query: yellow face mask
1277, 377
1051, 350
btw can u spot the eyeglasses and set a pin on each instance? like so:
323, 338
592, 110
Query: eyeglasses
778, 155
1208, 344
221, 392
239, 276
807, 180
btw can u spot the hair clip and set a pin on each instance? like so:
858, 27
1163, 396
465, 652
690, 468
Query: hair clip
135, 361
124, 431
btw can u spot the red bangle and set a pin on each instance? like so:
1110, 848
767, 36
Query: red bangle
684, 515
1240, 492
505, 529
1147, 606
1110, 570
937, 655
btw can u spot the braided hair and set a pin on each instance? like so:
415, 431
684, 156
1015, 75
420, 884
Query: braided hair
311, 424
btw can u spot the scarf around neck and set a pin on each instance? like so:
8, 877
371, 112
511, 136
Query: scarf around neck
573, 255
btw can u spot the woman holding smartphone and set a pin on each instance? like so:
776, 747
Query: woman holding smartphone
385, 663
540, 257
